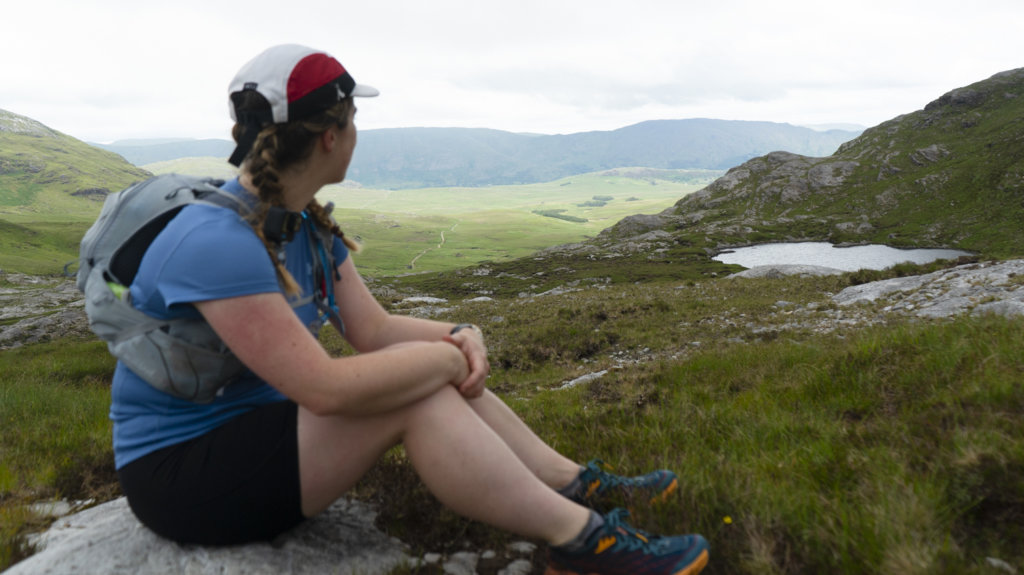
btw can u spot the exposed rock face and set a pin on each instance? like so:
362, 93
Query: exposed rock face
989, 287
109, 540
95, 193
15, 124
640, 224
779, 177
778, 271
45, 308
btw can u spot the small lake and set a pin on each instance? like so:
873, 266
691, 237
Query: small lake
873, 257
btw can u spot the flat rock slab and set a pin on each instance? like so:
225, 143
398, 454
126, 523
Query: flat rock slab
988, 287
109, 540
782, 270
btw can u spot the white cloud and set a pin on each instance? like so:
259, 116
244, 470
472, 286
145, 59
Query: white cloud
108, 69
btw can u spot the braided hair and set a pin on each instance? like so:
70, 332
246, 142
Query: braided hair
278, 147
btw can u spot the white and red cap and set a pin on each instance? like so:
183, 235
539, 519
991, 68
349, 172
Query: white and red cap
296, 82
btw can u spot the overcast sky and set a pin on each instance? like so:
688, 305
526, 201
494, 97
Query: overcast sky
103, 70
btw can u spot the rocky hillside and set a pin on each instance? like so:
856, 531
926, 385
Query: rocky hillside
54, 172
950, 175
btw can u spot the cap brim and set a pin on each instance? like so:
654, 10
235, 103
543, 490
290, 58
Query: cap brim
364, 91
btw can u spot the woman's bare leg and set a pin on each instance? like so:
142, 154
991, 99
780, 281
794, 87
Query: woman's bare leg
462, 460
553, 468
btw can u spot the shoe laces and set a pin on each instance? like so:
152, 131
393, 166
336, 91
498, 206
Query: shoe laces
632, 539
602, 471
599, 477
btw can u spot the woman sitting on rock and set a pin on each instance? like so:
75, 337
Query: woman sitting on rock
300, 427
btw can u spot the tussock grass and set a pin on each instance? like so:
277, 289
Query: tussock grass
896, 450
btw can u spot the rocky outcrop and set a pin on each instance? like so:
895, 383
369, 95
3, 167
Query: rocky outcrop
774, 179
988, 287
94, 193
35, 309
109, 540
778, 271
15, 124
945, 176
639, 224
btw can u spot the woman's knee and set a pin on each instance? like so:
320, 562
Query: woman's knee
445, 402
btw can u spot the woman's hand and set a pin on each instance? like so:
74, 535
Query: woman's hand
471, 343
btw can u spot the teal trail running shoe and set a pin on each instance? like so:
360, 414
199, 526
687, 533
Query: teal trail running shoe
598, 481
619, 549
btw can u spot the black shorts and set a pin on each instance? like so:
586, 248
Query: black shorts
237, 484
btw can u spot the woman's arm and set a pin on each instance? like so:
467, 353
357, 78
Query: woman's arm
368, 327
267, 336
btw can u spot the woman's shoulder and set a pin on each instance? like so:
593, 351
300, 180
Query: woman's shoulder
204, 236
207, 221
205, 252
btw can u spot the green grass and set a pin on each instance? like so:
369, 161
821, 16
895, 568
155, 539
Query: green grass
54, 399
43, 170
40, 245
896, 449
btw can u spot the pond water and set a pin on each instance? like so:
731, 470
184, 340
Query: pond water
873, 257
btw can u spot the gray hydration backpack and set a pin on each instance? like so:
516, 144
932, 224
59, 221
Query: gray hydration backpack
182, 357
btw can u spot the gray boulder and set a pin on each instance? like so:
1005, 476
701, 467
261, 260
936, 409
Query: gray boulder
109, 540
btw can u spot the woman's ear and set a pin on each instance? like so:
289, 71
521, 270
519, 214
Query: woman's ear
328, 140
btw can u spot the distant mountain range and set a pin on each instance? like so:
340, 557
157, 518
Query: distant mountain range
949, 175
150, 151
443, 157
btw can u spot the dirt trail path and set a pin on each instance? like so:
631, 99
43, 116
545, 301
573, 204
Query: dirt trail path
412, 264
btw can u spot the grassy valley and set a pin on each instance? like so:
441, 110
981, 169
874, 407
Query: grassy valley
436, 229
402, 229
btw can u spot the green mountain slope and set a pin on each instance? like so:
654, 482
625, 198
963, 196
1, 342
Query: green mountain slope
950, 175
51, 189
45, 171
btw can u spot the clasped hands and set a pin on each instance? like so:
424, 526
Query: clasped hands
471, 343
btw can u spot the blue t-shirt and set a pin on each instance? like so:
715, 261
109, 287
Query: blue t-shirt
205, 253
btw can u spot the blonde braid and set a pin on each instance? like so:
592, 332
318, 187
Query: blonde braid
265, 178
324, 220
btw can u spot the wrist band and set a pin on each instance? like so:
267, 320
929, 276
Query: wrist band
463, 326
